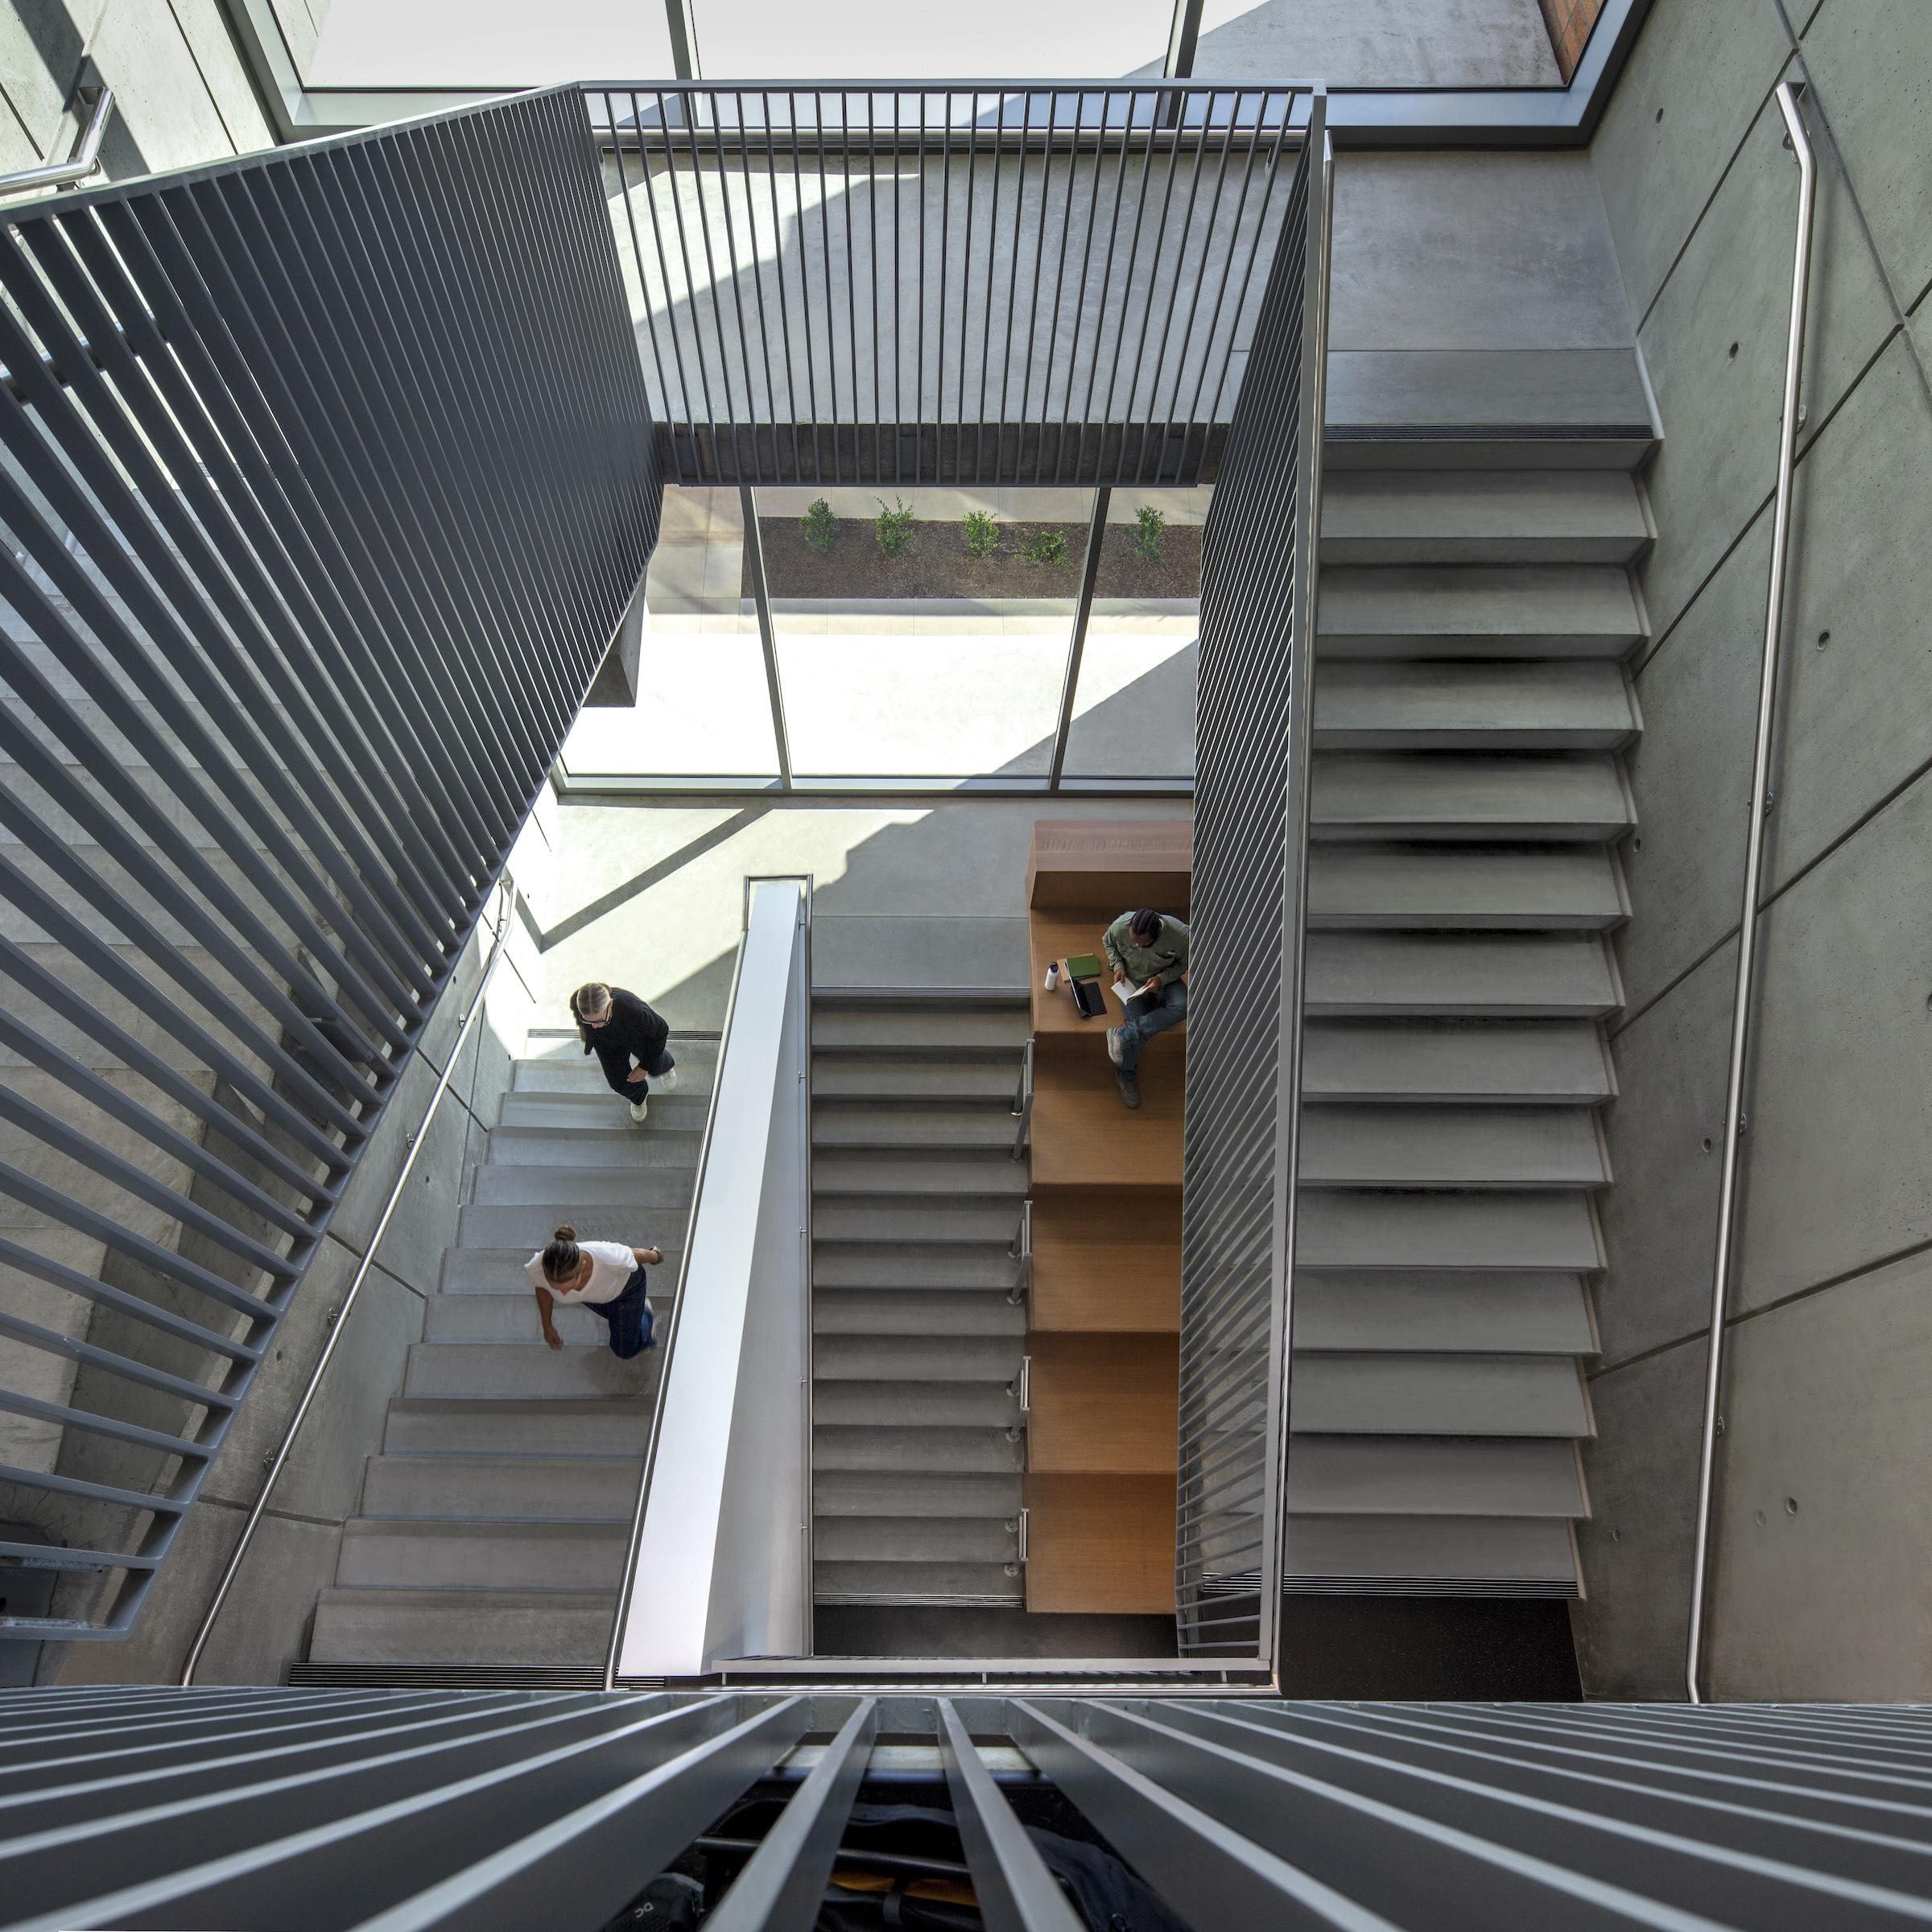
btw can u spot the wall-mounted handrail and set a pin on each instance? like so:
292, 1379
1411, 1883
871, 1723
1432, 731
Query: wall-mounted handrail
339, 1321
84, 163
1754, 849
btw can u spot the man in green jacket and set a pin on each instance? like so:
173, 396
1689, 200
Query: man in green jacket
1149, 955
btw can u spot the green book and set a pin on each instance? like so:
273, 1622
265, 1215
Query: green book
1083, 966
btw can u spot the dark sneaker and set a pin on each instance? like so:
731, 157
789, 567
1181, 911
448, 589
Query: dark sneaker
1130, 1090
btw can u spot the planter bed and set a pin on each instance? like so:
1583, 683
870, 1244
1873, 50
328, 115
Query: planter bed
936, 564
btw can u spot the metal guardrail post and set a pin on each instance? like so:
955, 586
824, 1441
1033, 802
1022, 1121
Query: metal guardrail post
1754, 851
339, 1321
1022, 1251
1022, 1104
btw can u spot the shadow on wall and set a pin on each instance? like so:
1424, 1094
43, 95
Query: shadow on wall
929, 902
935, 900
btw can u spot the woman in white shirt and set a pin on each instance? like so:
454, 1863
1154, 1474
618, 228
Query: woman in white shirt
606, 1277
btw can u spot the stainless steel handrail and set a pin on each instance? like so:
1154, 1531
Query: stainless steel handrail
340, 1320
1754, 848
86, 160
628, 1588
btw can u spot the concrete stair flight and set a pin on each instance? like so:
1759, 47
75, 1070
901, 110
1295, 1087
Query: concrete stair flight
494, 1523
1471, 707
917, 1447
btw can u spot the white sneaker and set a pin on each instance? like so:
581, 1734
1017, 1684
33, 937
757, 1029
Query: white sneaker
1113, 1043
638, 1110
665, 1083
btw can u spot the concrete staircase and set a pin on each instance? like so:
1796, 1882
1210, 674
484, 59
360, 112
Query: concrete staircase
494, 1522
1470, 705
917, 1448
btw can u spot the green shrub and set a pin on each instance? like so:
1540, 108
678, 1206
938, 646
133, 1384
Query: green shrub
820, 525
893, 526
982, 532
1149, 524
1044, 546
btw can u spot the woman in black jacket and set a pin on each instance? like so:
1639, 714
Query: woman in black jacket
619, 1028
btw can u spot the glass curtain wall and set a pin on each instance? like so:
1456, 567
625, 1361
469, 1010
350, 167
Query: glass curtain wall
924, 635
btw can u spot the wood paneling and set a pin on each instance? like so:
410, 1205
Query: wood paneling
1082, 1135
1104, 1403
1103, 1261
1101, 1543
1110, 865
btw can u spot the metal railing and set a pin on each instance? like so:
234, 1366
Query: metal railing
1244, 1020
1014, 281
1799, 142
327, 476
338, 1320
85, 161
407, 1810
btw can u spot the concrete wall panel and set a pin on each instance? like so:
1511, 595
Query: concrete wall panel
1699, 73
1841, 1102
1872, 67
1846, 740
1691, 774
1659, 1220
1641, 1473
1826, 1406
1720, 411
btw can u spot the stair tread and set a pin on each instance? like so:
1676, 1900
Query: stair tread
1430, 1310
482, 1626
1392, 973
1432, 1476
1470, 516
1542, 1232
938, 1312
1533, 1553
1544, 611
1371, 703
1499, 1060
1368, 794
981, 1171
1535, 887
1461, 1394
1448, 1146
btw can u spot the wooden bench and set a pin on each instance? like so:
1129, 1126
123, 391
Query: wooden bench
1104, 1307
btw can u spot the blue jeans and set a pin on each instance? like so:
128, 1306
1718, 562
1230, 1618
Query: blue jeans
1136, 1034
630, 1318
